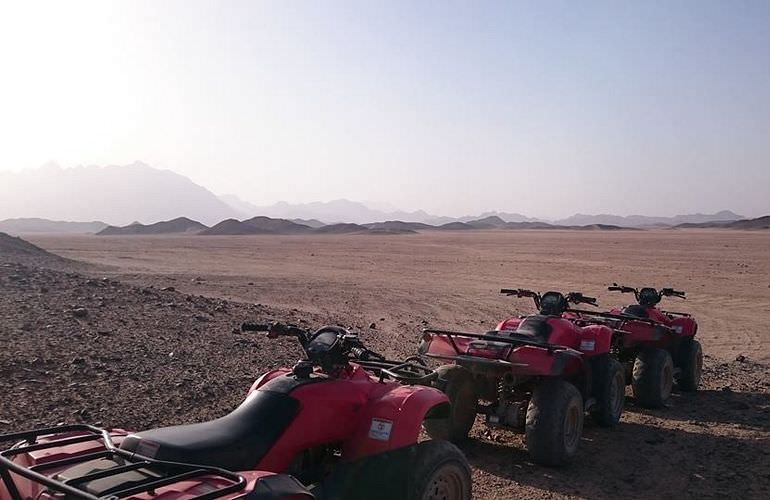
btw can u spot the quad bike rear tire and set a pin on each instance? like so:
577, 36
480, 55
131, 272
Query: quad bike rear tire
458, 384
554, 422
653, 377
440, 471
690, 357
609, 389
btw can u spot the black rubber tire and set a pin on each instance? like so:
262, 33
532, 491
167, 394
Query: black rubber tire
440, 471
653, 377
458, 384
690, 357
609, 389
550, 439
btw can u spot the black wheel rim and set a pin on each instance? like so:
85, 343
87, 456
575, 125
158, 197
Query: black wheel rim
572, 428
617, 395
447, 483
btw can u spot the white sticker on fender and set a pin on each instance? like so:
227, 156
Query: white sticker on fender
587, 345
380, 429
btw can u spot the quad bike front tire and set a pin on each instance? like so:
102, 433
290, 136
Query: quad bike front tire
653, 377
440, 471
690, 357
609, 388
554, 422
458, 384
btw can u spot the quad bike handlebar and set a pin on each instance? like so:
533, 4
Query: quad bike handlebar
579, 298
670, 292
555, 302
647, 296
333, 347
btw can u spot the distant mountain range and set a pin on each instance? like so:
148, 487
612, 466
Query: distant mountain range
277, 226
117, 195
34, 200
329, 212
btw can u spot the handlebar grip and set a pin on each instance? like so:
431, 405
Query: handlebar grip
615, 288
509, 291
589, 300
254, 327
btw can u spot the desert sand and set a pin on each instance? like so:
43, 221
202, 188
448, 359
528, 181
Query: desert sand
61, 367
452, 279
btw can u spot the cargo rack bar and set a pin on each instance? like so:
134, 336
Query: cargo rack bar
512, 338
176, 471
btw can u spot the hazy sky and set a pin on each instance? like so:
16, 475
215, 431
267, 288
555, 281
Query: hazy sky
545, 108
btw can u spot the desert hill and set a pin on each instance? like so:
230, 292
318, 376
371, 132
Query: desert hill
174, 226
342, 229
383, 230
397, 225
747, 224
13, 245
314, 223
758, 223
28, 225
232, 227
455, 226
278, 226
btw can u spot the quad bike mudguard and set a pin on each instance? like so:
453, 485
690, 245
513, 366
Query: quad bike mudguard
370, 417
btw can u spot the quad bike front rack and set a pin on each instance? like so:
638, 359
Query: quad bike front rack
172, 472
411, 371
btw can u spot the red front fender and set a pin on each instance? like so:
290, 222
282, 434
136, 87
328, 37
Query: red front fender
394, 420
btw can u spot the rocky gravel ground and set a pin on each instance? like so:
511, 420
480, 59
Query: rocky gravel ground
79, 347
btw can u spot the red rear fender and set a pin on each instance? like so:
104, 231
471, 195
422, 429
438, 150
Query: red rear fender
537, 361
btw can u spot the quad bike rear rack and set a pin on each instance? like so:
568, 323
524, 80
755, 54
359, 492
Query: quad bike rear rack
512, 338
173, 472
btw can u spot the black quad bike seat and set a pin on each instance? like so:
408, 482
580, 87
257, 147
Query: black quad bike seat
636, 310
536, 327
237, 441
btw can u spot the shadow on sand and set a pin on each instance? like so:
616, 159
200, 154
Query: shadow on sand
643, 460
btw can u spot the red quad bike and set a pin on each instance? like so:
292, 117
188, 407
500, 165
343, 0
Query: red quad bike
659, 346
538, 374
343, 423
